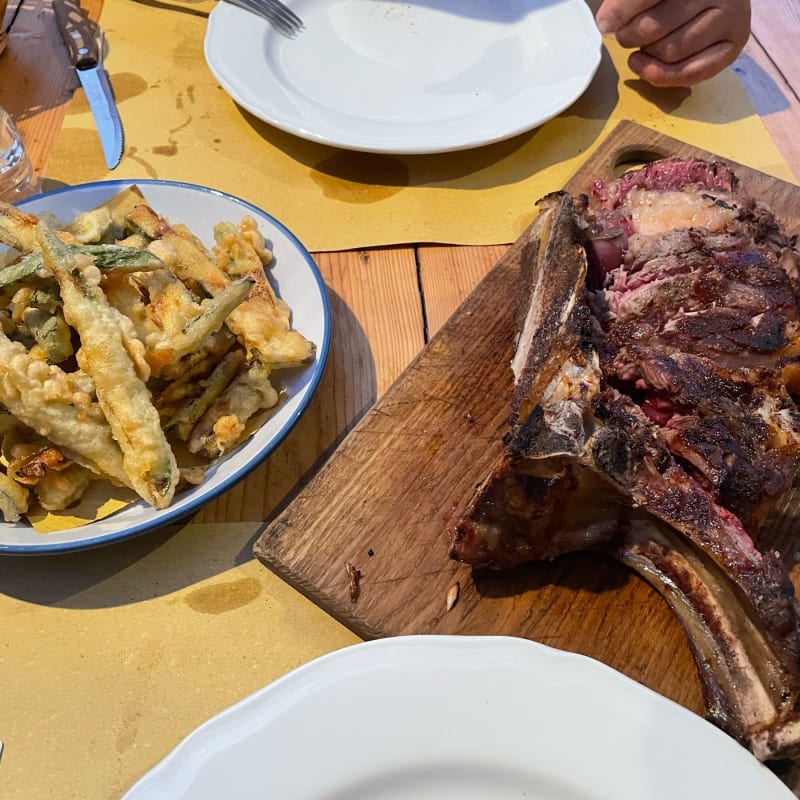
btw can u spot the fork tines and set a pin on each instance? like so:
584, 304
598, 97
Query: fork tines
276, 12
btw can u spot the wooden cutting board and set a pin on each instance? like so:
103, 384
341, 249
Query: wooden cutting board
383, 503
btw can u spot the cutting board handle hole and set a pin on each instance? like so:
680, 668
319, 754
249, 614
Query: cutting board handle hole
630, 158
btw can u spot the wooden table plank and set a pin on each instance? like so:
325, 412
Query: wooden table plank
775, 24
773, 98
448, 274
377, 329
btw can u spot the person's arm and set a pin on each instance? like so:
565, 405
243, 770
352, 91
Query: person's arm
677, 42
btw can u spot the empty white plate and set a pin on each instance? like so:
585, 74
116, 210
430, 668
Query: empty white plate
457, 718
421, 77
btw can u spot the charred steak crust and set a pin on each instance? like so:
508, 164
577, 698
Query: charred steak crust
654, 416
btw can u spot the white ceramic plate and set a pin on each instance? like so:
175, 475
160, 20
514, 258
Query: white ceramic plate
457, 718
296, 280
407, 77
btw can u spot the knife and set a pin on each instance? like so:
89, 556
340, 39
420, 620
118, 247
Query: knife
80, 36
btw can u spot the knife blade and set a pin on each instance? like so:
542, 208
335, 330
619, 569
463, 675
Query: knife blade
80, 35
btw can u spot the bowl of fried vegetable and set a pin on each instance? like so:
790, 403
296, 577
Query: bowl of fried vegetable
157, 341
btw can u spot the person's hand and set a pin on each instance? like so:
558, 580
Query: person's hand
677, 42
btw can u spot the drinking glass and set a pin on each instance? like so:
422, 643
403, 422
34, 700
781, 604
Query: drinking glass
16, 172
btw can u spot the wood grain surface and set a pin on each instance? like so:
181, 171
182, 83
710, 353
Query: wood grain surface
384, 501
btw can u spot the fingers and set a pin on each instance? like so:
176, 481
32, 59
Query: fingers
615, 14
693, 70
678, 42
668, 17
690, 39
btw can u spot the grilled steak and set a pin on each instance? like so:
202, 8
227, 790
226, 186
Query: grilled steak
653, 418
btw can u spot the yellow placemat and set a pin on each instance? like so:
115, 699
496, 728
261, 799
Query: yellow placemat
180, 125
113, 655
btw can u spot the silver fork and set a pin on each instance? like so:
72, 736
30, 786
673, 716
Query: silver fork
276, 12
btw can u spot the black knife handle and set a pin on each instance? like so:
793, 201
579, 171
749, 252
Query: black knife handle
79, 33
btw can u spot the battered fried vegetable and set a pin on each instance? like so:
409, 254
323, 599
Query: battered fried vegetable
59, 490
187, 417
262, 321
56, 405
36, 461
167, 318
119, 258
125, 400
117, 328
51, 333
18, 229
107, 221
91, 226
201, 361
36, 313
222, 426
186, 378
121, 206
31, 266
13, 499
180, 250
206, 318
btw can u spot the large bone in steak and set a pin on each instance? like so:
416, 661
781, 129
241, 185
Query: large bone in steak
652, 418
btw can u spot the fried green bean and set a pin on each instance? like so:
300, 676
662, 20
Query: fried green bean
120, 258
106, 257
186, 417
223, 424
123, 396
214, 312
28, 267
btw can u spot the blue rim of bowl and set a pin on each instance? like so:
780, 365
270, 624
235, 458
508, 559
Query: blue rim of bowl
173, 513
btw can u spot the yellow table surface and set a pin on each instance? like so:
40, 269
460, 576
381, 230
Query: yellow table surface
180, 125
110, 657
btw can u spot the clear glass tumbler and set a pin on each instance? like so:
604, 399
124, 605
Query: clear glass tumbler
16, 172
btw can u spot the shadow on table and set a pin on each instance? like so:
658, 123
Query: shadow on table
763, 95
180, 8
356, 177
595, 573
337, 171
767, 97
195, 549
